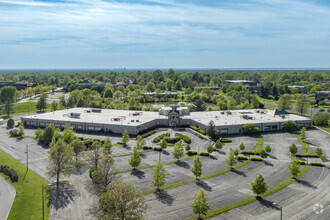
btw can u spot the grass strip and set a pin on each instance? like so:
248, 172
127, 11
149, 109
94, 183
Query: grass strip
170, 186
324, 128
305, 145
259, 144
249, 200
150, 166
28, 200
25, 108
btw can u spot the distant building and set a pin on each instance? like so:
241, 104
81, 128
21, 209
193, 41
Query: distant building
320, 95
209, 87
301, 89
18, 86
252, 85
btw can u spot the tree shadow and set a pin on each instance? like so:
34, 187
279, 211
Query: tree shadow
25, 175
222, 152
273, 157
138, 173
238, 172
81, 170
204, 185
165, 152
164, 197
183, 164
268, 163
305, 183
63, 196
143, 155
213, 157
126, 147
267, 203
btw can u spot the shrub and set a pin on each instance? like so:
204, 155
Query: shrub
204, 154
256, 159
158, 149
81, 138
188, 147
91, 170
88, 142
15, 132
225, 140
147, 147
160, 137
172, 140
301, 162
10, 123
242, 158
321, 118
250, 129
307, 155
148, 134
210, 149
201, 131
183, 137
316, 164
12, 174
192, 153
249, 153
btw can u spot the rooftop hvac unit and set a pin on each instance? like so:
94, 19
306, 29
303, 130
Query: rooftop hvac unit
74, 115
97, 110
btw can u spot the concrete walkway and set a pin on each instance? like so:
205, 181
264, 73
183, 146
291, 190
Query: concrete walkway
7, 196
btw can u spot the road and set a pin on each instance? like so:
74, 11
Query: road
7, 196
309, 111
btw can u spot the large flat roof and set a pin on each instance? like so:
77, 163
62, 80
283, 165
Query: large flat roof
240, 117
106, 116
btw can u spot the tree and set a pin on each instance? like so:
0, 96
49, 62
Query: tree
135, 159
241, 146
284, 102
163, 144
150, 87
95, 155
211, 130
199, 105
218, 145
289, 126
301, 103
108, 93
303, 134
10, 123
294, 167
48, 134
236, 152
231, 160
188, 147
8, 97
178, 151
178, 85
122, 201
263, 154
197, 167
42, 102
210, 149
54, 106
293, 149
60, 160
77, 147
323, 158
321, 119
21, 129
259, 186
318, 151
68, 134
199, 204
105, 174
107, 147
125, 137
159, 175
268, 149
140, 143
250, 129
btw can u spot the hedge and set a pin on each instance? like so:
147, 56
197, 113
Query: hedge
225, 140
183, 137
201, 131
192, 152
11, 173
204, 154
256, 159
316, 164
194, 128
148, 134
160, 137
302, 162
249, 153
157, 148
307, 155
172, 140
197, 129
147, 147
242, 158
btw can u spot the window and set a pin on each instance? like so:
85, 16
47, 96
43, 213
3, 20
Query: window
90, 128
79, 127
268, 128
97, 128
224, 131
58, 125
274, 127
47, 124
41, 124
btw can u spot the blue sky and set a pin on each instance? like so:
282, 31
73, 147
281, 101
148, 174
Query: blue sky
164, 34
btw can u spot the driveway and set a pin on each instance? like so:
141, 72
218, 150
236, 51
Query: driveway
7, 196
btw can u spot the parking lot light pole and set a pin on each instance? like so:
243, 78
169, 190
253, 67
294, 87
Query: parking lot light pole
277, 205
27, 157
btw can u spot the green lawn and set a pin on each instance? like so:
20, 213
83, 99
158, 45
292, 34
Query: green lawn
275, 189
325, 128
268, 100
259, 144
25, 108
28, 201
